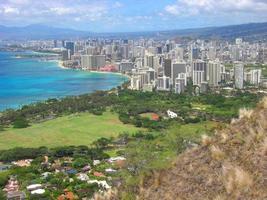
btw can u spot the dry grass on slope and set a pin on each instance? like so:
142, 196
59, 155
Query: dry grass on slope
232, 165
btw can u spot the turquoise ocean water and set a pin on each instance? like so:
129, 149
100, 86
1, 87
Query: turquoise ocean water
29, 80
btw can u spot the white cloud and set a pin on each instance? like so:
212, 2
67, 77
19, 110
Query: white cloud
173, 9
10, 10
117, 4
61, 10
192, 7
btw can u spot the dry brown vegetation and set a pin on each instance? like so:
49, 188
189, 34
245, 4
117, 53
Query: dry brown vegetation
230, 166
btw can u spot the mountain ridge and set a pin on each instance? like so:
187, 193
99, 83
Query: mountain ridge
39, 31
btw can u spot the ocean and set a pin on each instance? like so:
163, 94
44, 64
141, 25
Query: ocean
29, 80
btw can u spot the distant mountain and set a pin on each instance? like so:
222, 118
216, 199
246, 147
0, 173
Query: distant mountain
248, 31
39, 32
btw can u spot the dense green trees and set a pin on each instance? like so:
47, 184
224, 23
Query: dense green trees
33, 153
22, 153
130, 104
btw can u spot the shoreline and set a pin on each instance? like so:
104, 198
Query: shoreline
60, 65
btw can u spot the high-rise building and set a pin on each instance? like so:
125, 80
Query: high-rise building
253, 76
239, 75
91, 51
164, 83
212, 53
63, 43
126, 66
55, 43
167, 66
70, 46
214, 73
125, 51
177, 68
93, 62
135, 82
194, 53
199, 72
65, 55
180, 82
159, 50
238, 41
149, 61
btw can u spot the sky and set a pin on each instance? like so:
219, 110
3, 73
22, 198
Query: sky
131, 15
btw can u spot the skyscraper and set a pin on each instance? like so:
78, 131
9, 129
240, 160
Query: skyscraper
179, 85
92, 62
177, 68
214, 73
239, 75
199, 72
167, 66
70, 46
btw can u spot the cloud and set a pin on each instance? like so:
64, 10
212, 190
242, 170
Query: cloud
173, 9
117, 4
10, 10
193, 7
119, 15
49, 10
61, 10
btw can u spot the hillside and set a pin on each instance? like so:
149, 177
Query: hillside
230, 165
37, 31
249, 31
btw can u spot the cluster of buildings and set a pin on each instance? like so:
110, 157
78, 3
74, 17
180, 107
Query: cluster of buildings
203, 64
166, 65
171, 65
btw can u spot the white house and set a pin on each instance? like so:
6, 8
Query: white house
38, 191
171, 114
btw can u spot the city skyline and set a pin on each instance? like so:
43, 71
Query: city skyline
130, 15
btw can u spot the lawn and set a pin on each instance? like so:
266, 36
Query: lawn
79, 129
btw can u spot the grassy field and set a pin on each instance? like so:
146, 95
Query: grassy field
80, 129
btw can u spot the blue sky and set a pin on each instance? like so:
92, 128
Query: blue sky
131, 15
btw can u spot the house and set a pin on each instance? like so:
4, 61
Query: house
46, 174
155, 117
38, 191
109, 170
115, 159
171, 114
4, 167
71, 171
34, 187
23, 163
67, 196
96, 162
98, 174
82, 177
16, 195
12, 185
86, 168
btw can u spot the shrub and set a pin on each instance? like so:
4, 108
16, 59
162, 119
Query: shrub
20, 123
